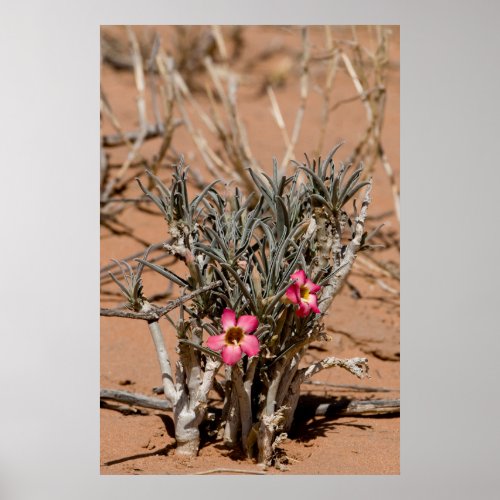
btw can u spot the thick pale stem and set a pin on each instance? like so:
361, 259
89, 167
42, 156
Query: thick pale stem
287, 378
335, 283
164, 361
187, 434
244, 404
194, 372
269, 424
192, 404
233, 421
201, 400
265, 441
267, 427
249, 376
273, 388
289, 393
357, 366
290, 402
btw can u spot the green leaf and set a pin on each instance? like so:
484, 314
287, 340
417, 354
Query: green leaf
297, 256
159, 184
218, 239
197, 200
261, 187
220, 275
166, 273
326, 162
210, 328
282, 219
241, 286
316, 181
355, 189
159, 203
350, 183
273, 185
122, 288
210, 251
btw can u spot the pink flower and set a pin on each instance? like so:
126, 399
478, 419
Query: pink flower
236, 337
303, 293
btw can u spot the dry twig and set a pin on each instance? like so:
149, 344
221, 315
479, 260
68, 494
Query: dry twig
157, 312
304, 91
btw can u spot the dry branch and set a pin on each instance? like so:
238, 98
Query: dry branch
230, 471
359, 408
350, 408
115, 140
350, 387
304, 91
157, 312
374, 102
330, 76
357, 366
141, 108
135, 399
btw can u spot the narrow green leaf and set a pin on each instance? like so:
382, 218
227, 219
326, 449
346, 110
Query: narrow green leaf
211, 252
202, 195
282, 220
242, 286
166, 273
354, 190
325, 164
122, 288
159, 203
316, 181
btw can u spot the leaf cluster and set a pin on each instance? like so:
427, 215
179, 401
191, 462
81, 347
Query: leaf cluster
253, 244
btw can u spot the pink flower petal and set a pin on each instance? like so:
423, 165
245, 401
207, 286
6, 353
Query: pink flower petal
231, 354
248, 323
250, 345
313, 288
300, 276
303, 310
313, 303
216, 342
293, 293
228, 319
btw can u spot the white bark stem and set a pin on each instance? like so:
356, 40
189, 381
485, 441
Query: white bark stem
273, 388
201, 400
233, 421
335, 283
164, 361
244, 404
187, 434
357, 366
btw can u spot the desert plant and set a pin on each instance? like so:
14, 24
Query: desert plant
262, 272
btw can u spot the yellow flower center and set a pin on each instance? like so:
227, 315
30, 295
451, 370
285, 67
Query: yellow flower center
234, 335
304, 292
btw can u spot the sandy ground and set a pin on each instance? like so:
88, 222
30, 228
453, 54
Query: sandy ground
143, 444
